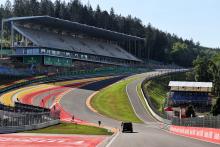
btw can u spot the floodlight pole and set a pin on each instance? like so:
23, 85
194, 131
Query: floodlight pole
2, 37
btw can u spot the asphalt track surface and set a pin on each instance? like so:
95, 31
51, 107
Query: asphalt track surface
147, 134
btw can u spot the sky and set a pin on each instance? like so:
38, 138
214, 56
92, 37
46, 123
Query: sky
196, 19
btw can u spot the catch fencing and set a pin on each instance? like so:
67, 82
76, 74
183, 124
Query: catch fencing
11, 119
205, 122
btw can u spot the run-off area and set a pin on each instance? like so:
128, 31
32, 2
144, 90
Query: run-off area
50, 140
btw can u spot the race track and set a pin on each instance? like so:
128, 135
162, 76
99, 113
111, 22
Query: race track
70, 97
146, 134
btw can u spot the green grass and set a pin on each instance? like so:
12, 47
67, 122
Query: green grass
113, 102
158, 93
69, 128
158, 88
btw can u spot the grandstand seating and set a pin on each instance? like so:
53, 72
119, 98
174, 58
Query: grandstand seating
192, 97
51, 40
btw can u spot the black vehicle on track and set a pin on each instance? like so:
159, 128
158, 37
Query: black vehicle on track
127, 127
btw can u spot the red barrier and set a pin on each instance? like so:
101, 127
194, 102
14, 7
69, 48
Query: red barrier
205, 134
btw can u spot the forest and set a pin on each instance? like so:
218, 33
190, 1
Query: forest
207, 68
159, 45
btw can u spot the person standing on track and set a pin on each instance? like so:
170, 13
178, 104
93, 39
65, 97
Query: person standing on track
99, 122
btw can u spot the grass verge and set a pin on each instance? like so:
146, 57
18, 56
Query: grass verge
69, 128
158, 88
113, 102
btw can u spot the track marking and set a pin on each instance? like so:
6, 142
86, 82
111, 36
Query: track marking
113, 139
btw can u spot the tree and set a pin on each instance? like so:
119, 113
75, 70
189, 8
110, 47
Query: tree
98, 16
57, 9
64, 11
8, 9
201, 67
183, 54
216, 107
46, 8
159, 45
2, 11
90, 16
214, 69
33, 7
75, 10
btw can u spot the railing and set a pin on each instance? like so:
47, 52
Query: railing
206, 122
10, 119
23, 114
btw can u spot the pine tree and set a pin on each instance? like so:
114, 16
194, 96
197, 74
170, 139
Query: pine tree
57, 9
34, 8
8, 9
46, 8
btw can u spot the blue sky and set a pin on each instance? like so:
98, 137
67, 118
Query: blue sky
197, 19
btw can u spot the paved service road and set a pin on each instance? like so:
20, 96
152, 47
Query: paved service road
147, 134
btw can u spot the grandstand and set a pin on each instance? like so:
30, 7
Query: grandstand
48, 41
184, 94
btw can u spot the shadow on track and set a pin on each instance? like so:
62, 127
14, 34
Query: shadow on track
101, 84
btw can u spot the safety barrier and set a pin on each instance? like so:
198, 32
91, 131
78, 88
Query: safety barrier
205, 134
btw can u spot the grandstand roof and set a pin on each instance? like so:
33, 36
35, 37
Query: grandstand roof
190, 84
75, 27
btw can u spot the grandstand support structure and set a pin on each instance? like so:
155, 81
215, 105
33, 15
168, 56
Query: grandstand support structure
51, 41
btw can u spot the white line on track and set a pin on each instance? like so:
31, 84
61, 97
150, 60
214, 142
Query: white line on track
112, 140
